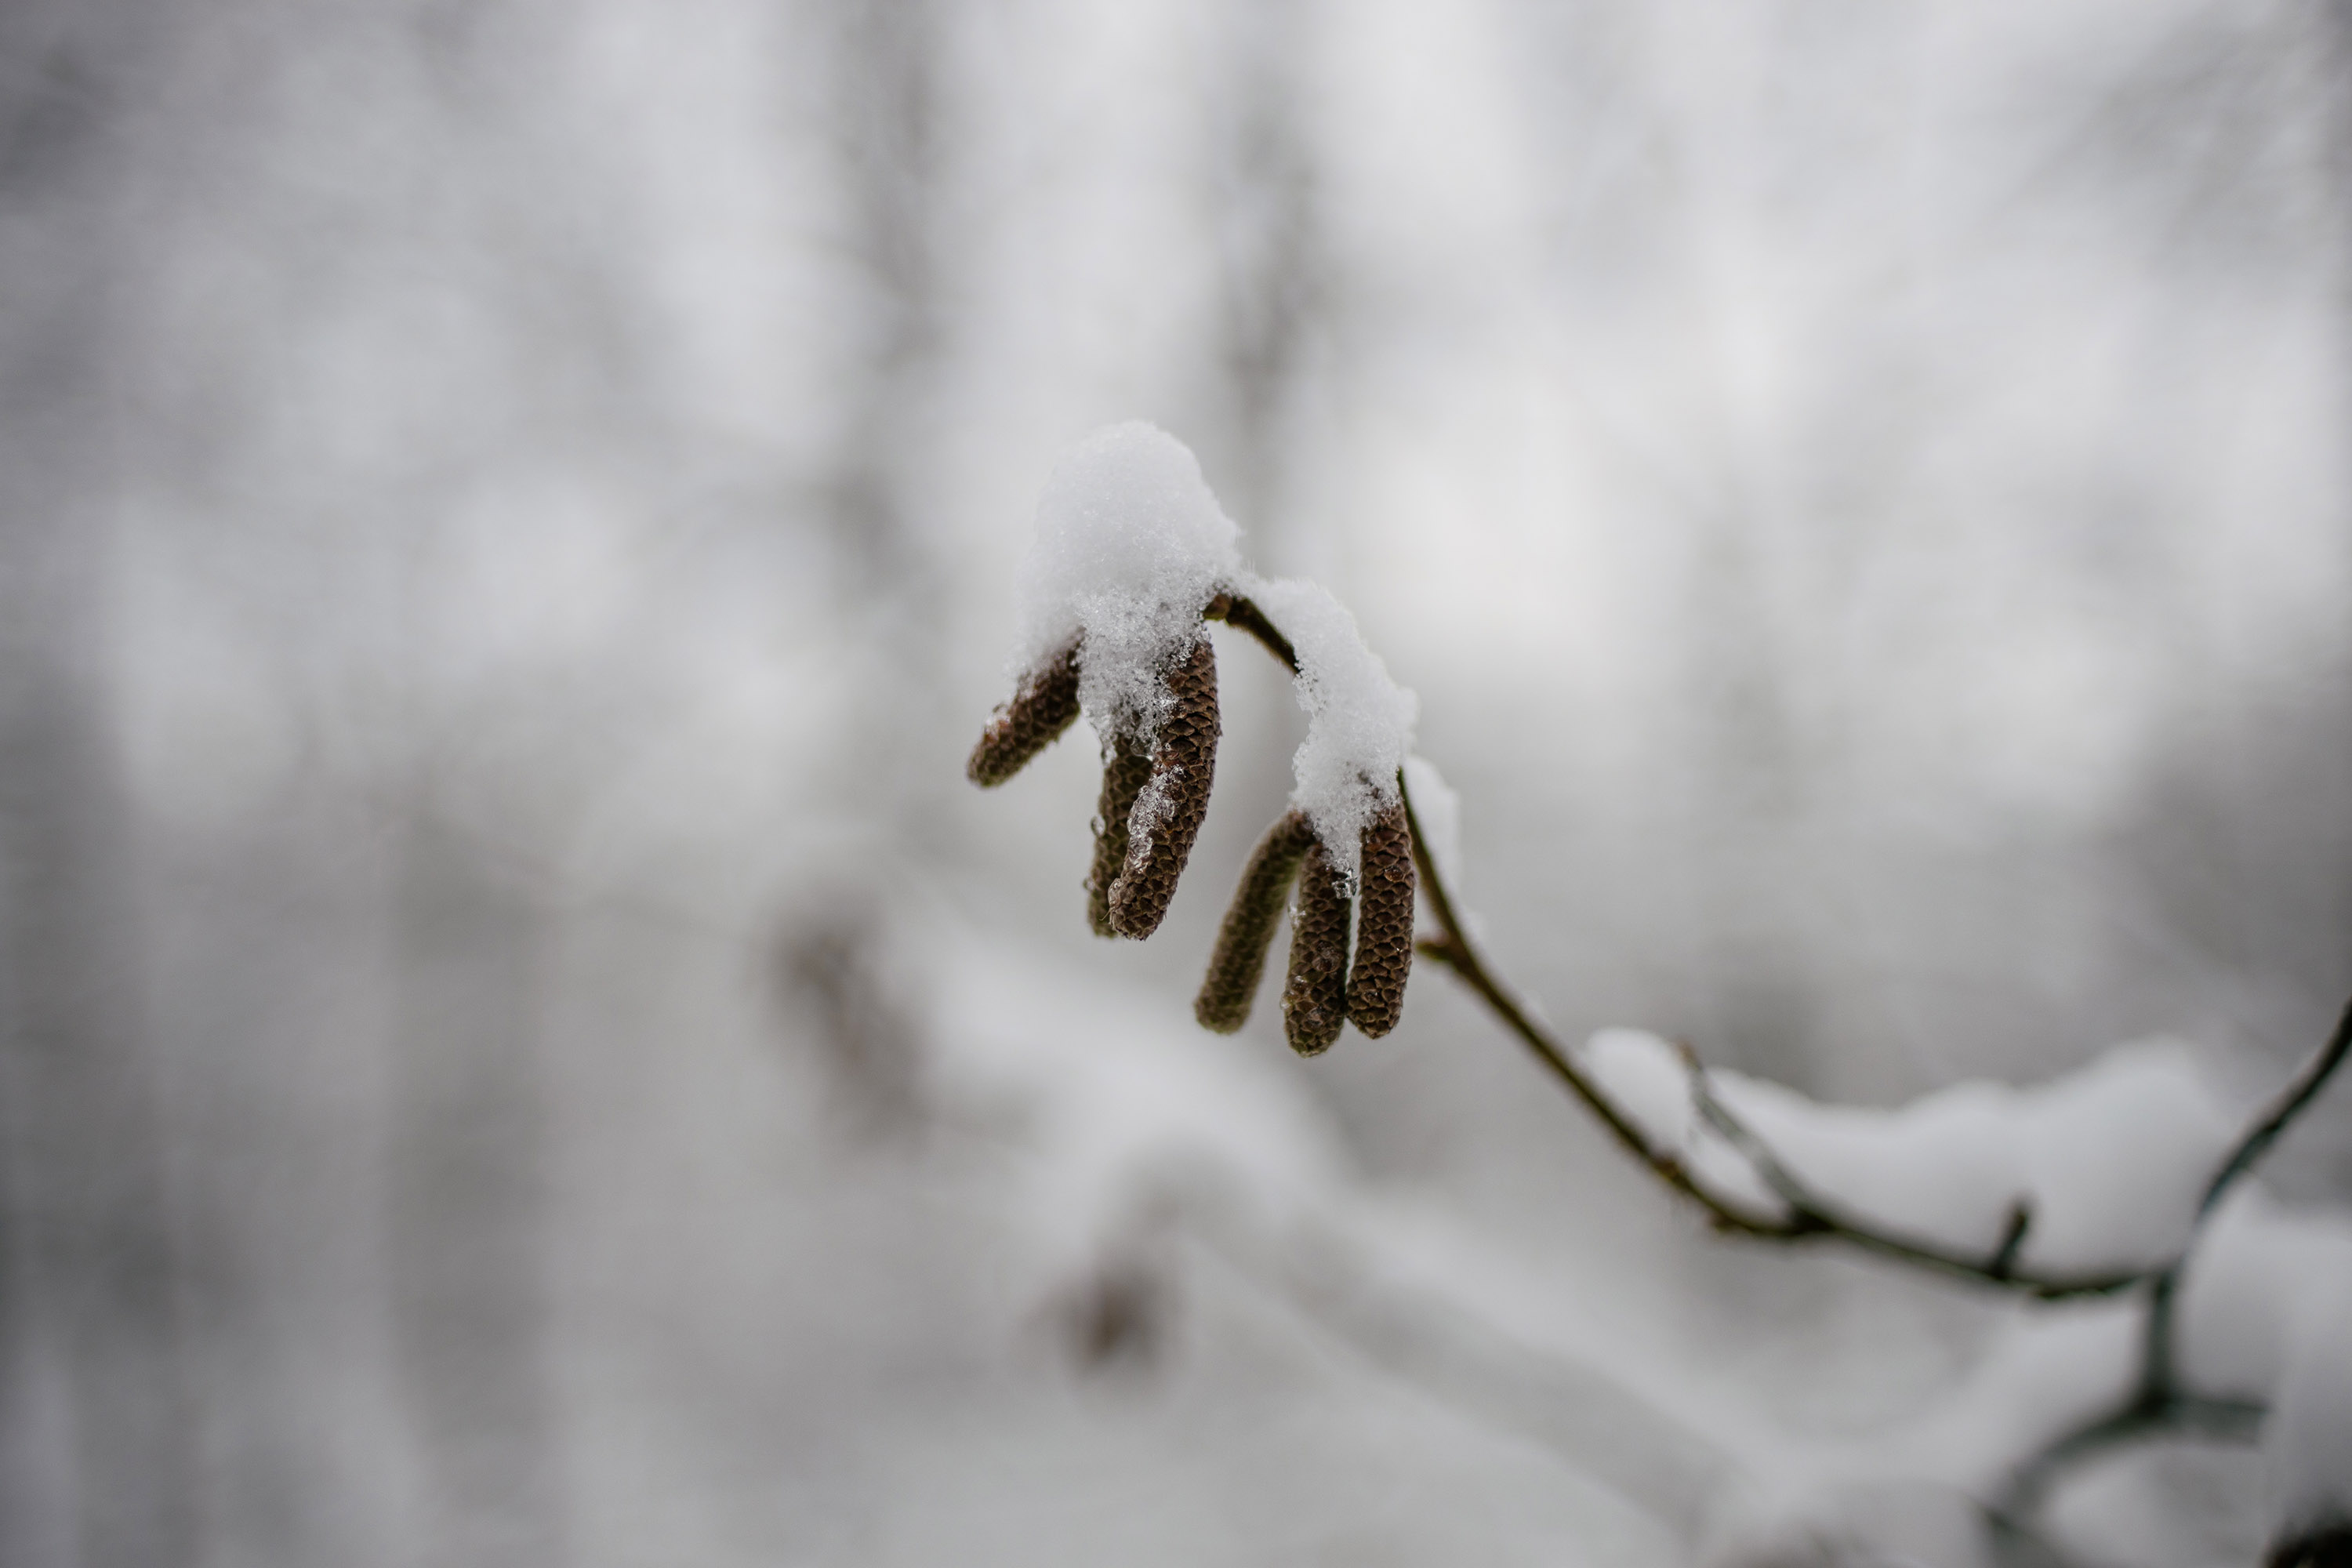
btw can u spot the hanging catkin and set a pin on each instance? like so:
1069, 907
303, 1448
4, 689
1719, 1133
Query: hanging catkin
1045, 704
1239, 960
1167, 815
1315, 998
1383, 925
1125, 771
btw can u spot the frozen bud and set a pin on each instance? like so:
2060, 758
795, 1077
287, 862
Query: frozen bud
1239, 960
1315, 999
1045, 704
1167, 815
1125, 770
1383, 925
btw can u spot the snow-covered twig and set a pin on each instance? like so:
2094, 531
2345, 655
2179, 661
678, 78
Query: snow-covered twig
1809, 1214
2157, 1405
1133, 555
2153, 1409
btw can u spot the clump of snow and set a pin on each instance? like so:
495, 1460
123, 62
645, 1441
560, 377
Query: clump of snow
2308, 1441
2256, 1265
1649, 1080
2110, 1162
2263, 1315
1359, 721
1130, 545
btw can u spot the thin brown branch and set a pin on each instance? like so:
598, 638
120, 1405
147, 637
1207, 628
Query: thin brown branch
1244, 616
2299, 1093
2155, 1408
2157, 1356
2139, 1420
1809, 1214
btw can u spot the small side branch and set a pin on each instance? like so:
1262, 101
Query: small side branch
1244, 616
2298, 1094
2140, 1420
2158, 1353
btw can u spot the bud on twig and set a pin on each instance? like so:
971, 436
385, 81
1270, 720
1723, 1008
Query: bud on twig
1045, 704
1125, 773
1383, 925
1167, 815
1239, 960
1315, 999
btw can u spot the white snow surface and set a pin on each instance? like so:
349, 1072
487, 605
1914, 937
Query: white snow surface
1130, 543
1649, 1079
2308, 1441
1359, 721
2111, 1160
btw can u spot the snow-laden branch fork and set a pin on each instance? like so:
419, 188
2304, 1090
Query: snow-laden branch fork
1134, 556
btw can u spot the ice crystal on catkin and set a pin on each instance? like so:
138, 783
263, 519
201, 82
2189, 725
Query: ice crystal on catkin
1383, 925
1125, 770
1315, 997
1239, 960
1167, 815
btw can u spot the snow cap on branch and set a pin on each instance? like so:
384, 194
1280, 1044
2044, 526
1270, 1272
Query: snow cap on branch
1359, 721
1130, 545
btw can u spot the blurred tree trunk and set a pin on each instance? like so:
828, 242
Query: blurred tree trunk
467, 1223
96, 1440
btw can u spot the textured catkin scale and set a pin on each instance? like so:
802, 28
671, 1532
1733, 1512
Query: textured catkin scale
1239, 960
1315, 998
1046, 705
1125, 773
1383, 925
1167, 815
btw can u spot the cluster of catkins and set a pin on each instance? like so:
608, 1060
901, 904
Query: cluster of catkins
1153, 798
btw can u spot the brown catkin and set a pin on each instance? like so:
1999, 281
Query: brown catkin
1167, 815
1046, 705
1315, 998
1383, 925
1125, 773
1239, 960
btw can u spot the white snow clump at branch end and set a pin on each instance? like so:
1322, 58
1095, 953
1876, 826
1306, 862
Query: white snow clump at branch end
1130, 543
1359, 721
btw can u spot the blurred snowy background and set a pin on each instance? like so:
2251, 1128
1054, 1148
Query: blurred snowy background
522, 1048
